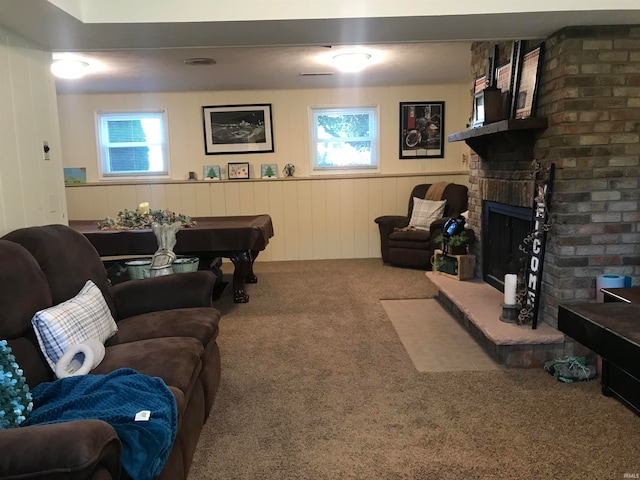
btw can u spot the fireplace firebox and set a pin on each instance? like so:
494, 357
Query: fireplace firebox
504, 227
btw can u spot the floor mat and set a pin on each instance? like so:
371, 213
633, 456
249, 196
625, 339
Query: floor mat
433, 339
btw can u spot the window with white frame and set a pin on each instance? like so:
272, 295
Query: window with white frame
132, 144
344, 139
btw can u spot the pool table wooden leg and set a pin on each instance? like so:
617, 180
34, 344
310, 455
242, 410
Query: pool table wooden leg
243, 268
251, 278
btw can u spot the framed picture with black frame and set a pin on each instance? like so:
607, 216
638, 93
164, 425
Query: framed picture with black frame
526, 97
230, 129
238, 170
503, 83
421, 130
516, 57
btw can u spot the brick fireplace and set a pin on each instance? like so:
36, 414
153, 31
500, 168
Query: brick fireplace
589, 92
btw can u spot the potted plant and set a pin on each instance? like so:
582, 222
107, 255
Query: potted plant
455, 244
458, 244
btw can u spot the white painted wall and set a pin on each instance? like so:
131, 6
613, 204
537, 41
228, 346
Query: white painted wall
31, 189
319, 218
290, 110
314, 218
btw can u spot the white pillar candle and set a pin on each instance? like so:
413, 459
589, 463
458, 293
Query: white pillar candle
144, 208
510, 281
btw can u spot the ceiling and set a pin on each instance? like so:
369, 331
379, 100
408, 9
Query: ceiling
272, 54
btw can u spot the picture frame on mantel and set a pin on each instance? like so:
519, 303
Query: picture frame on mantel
479, 84
528, 82
503, 83
235, 129
421, 130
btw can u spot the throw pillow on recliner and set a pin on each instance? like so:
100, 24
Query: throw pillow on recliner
425, 212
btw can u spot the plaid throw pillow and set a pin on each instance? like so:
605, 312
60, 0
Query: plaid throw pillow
77, 320
425, 212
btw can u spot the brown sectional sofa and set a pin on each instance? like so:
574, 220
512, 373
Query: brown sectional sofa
167, 328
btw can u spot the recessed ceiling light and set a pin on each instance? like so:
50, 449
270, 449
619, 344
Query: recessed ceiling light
69, 68
351, 62
316, 74
200, 61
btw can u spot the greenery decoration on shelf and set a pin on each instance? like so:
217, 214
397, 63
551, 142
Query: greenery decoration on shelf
136, 219
459, 239
15, 399
454, 240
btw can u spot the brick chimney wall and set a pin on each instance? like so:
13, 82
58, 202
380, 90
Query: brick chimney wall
589, 90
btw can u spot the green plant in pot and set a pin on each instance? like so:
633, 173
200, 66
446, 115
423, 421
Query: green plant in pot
456, 244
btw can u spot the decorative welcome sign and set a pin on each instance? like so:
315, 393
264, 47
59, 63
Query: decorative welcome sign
537, 241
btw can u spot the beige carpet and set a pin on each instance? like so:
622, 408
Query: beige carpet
316, 384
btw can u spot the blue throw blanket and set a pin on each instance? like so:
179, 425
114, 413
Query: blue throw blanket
115, 398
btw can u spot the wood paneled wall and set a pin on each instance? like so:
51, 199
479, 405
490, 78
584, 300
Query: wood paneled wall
313, 218
31, 188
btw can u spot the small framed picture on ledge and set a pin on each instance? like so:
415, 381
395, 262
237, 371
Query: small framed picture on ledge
528, 82
211, 172
238, 170
269, 170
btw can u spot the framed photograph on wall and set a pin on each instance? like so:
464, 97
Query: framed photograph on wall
528, 82
230, 129
238, 170
421, 130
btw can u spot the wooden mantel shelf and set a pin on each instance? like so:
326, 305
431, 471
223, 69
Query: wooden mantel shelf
514, 131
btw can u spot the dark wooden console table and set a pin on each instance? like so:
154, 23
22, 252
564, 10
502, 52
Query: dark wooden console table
239, 238
626, 295
611, 330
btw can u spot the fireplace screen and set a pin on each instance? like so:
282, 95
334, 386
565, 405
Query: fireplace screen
503, 229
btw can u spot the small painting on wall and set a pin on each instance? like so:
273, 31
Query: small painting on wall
75, 175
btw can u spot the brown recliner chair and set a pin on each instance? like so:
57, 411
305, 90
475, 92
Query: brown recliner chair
414, 248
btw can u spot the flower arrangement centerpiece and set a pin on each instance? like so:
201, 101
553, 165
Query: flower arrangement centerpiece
141, 218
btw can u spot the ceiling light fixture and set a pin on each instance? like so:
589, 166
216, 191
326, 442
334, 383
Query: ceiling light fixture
351, 62
200, 61
316, 74
69, 68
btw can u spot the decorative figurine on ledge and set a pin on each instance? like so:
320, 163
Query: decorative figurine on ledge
288, 170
